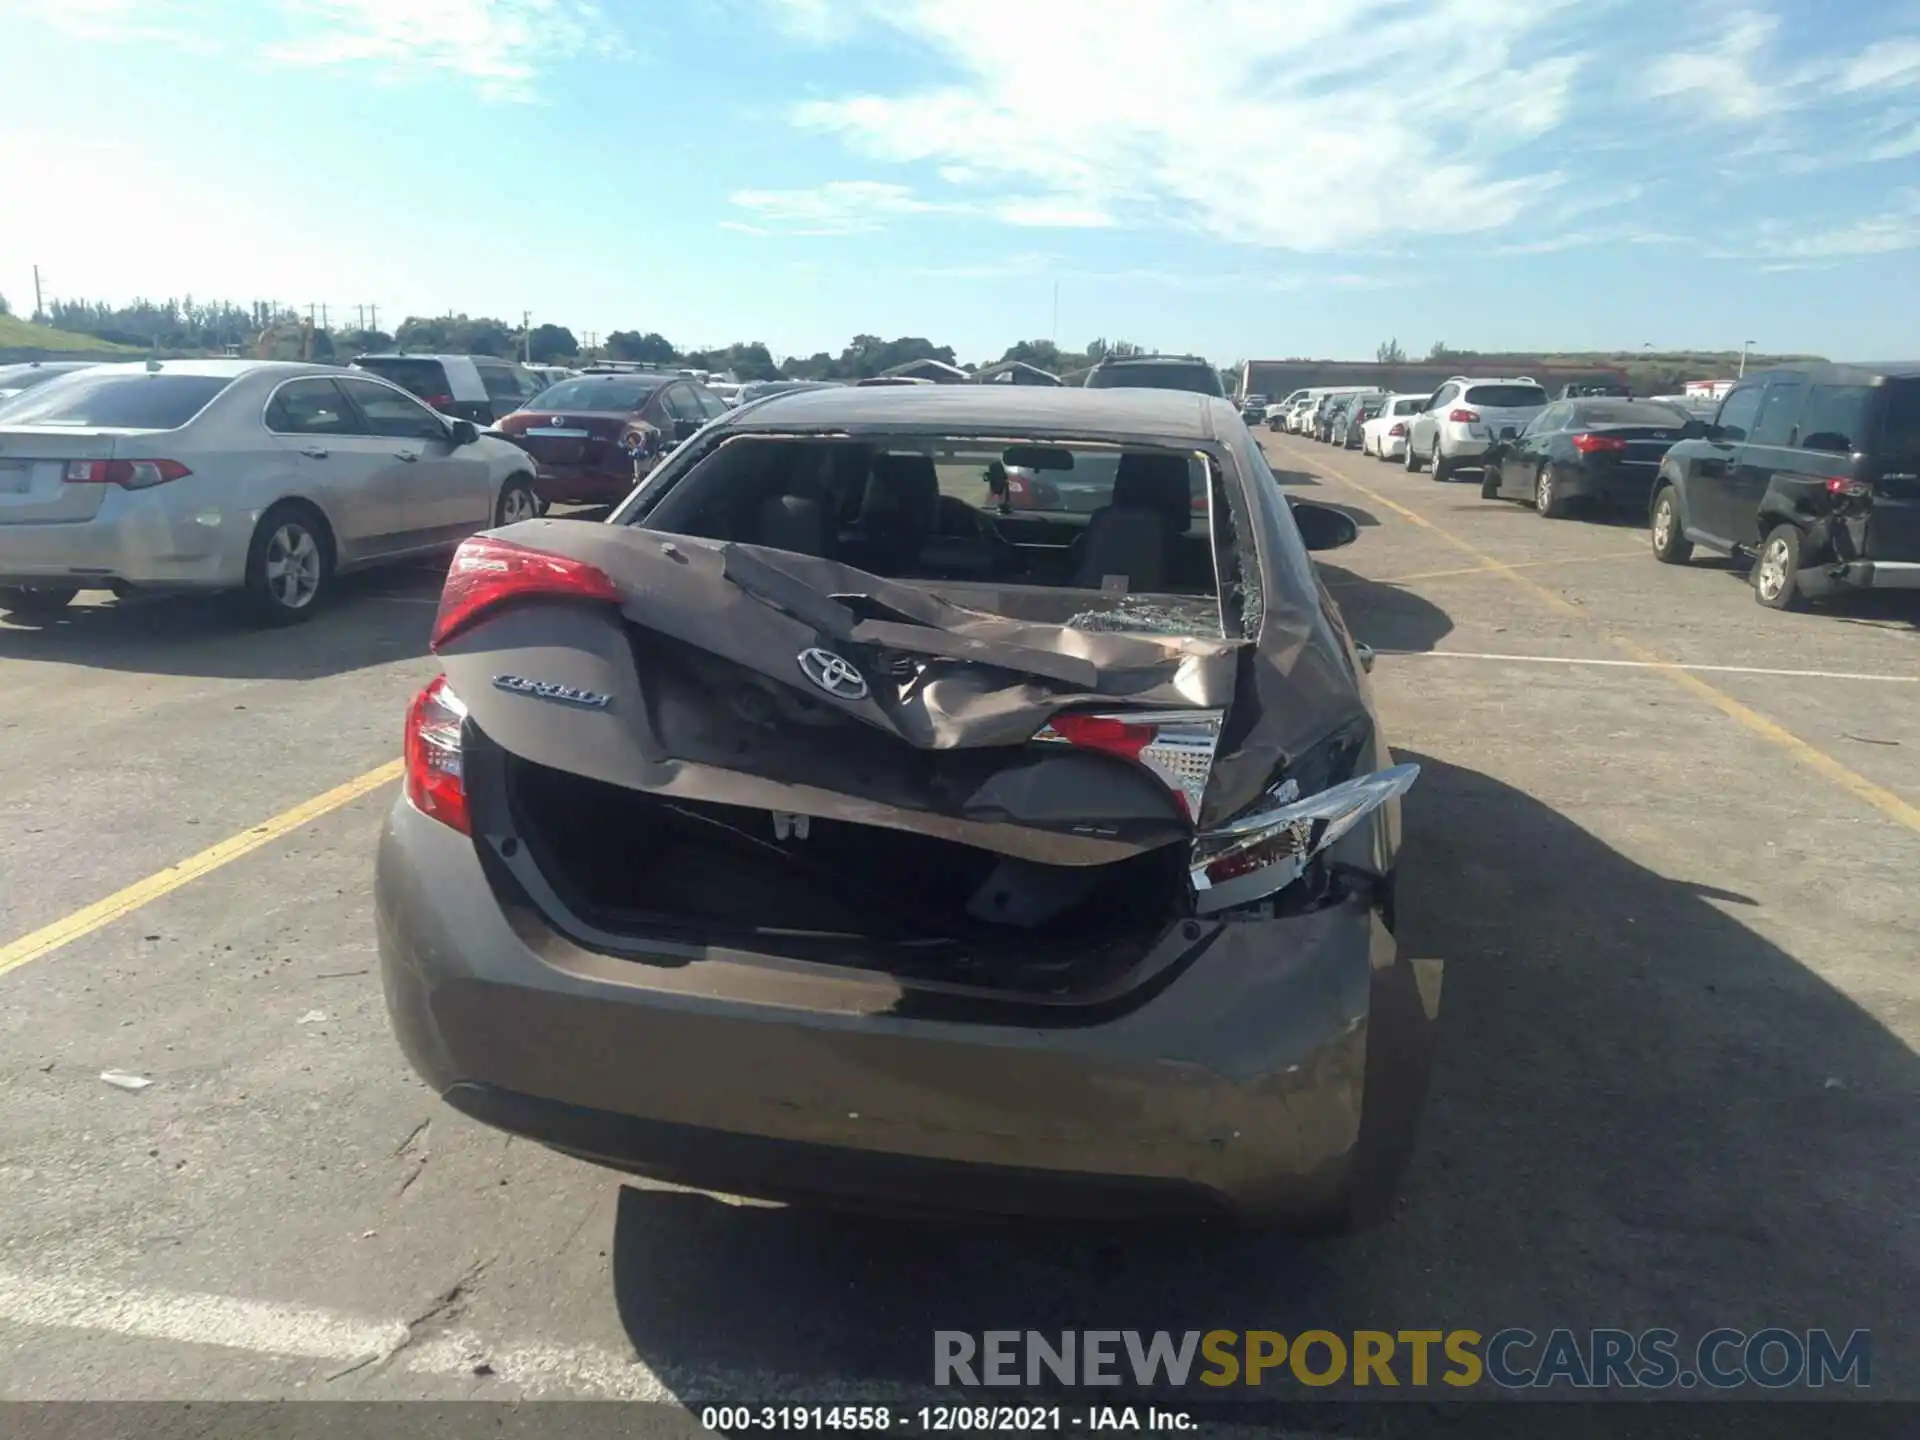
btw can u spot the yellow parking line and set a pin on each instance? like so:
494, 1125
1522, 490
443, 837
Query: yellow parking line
49, 938
1811, 756
1486, 569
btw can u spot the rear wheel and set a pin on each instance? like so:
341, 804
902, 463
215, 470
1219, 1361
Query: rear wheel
1670, 544
1411, 460
289, 565
1547, 496
1776, 573
1442, 466
517, 502
34, 601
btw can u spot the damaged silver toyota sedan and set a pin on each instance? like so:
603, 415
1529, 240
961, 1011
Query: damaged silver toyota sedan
823, 827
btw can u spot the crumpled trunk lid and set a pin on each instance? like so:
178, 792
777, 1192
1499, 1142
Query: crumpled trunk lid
742, 676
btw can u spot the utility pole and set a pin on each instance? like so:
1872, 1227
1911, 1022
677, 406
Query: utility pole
39, 308
526, 337
362, 309
1054, 333
374, 311
1745, 345
323, 318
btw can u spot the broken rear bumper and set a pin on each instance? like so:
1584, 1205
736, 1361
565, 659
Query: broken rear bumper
1279, 1076
1860, 575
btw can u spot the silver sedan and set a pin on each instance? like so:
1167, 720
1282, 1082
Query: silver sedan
264, 477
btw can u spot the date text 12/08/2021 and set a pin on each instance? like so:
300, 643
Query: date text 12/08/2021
945, 1419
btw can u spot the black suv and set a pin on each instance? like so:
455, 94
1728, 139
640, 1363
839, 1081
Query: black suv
469, 387
1156, 372
1814, 471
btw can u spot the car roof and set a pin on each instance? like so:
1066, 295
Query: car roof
1857, 371
229, 369
1153, 360
1166, 414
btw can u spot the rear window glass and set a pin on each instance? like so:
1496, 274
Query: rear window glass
1639, 412
422, 377
597, 392
1076, 541
1198, 379
500, 383
119, 402
1408, 407
1505, 396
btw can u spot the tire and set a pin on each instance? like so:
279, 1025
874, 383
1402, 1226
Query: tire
289, 565
1412, 461
1670, 545
1442, 466
1547, 499
517, 502
1776, 570
35, 602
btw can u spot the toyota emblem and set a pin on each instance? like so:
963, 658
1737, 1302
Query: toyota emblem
833, 674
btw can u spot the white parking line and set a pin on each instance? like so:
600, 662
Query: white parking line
1651, 665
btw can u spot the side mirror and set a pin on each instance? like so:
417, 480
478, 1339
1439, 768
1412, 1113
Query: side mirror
1322, 527
1716, 434
685, 429
462, 432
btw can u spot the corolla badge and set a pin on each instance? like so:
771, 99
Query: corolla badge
559, 694
833, 674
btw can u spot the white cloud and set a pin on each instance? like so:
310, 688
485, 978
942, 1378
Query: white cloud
840, 207
1885, 64
1890, 232
1721, 80
502, 46
1310, 128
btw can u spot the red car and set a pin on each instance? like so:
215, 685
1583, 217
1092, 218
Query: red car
594, 436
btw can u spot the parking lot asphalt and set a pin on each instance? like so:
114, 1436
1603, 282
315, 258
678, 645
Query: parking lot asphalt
1677, 1083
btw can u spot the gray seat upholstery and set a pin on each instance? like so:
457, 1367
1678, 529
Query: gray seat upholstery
794, 523
899, 513
1134, 535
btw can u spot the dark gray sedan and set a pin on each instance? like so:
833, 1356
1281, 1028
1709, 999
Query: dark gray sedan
815, 829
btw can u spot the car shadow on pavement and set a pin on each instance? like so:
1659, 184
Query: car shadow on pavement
1643, 1114
374, 617
1387, 617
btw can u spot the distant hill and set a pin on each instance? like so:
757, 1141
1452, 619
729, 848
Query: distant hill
18, 334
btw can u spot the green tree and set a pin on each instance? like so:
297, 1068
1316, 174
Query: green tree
361, 342
548, 343
652, 348
5, 308
1390, 352
1439, 353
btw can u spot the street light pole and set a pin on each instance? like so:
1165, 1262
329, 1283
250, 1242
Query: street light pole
1745, 345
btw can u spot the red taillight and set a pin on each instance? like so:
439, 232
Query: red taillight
1599, 444
435, 786
1015, 485
1175, 745
439, 402
127, 474
1399, 432
1852, 489
1464, 417
487, 573
1105, 732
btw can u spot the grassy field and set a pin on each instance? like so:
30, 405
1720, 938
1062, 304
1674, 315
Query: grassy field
16, 333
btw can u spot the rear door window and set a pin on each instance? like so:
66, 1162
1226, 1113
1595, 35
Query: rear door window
1835, 418
1779, 410
501, 384
118, 402
422, 377
1737, 412
389, 413
310, 407
711, 405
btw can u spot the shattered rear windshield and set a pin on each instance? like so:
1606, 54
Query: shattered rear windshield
1101, 537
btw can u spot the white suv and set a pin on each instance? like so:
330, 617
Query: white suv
1463, 417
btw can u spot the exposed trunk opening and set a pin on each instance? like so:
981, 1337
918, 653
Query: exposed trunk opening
903, 903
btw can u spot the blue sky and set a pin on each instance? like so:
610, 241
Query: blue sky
1236, 178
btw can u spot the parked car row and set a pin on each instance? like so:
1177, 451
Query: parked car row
1809, 474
